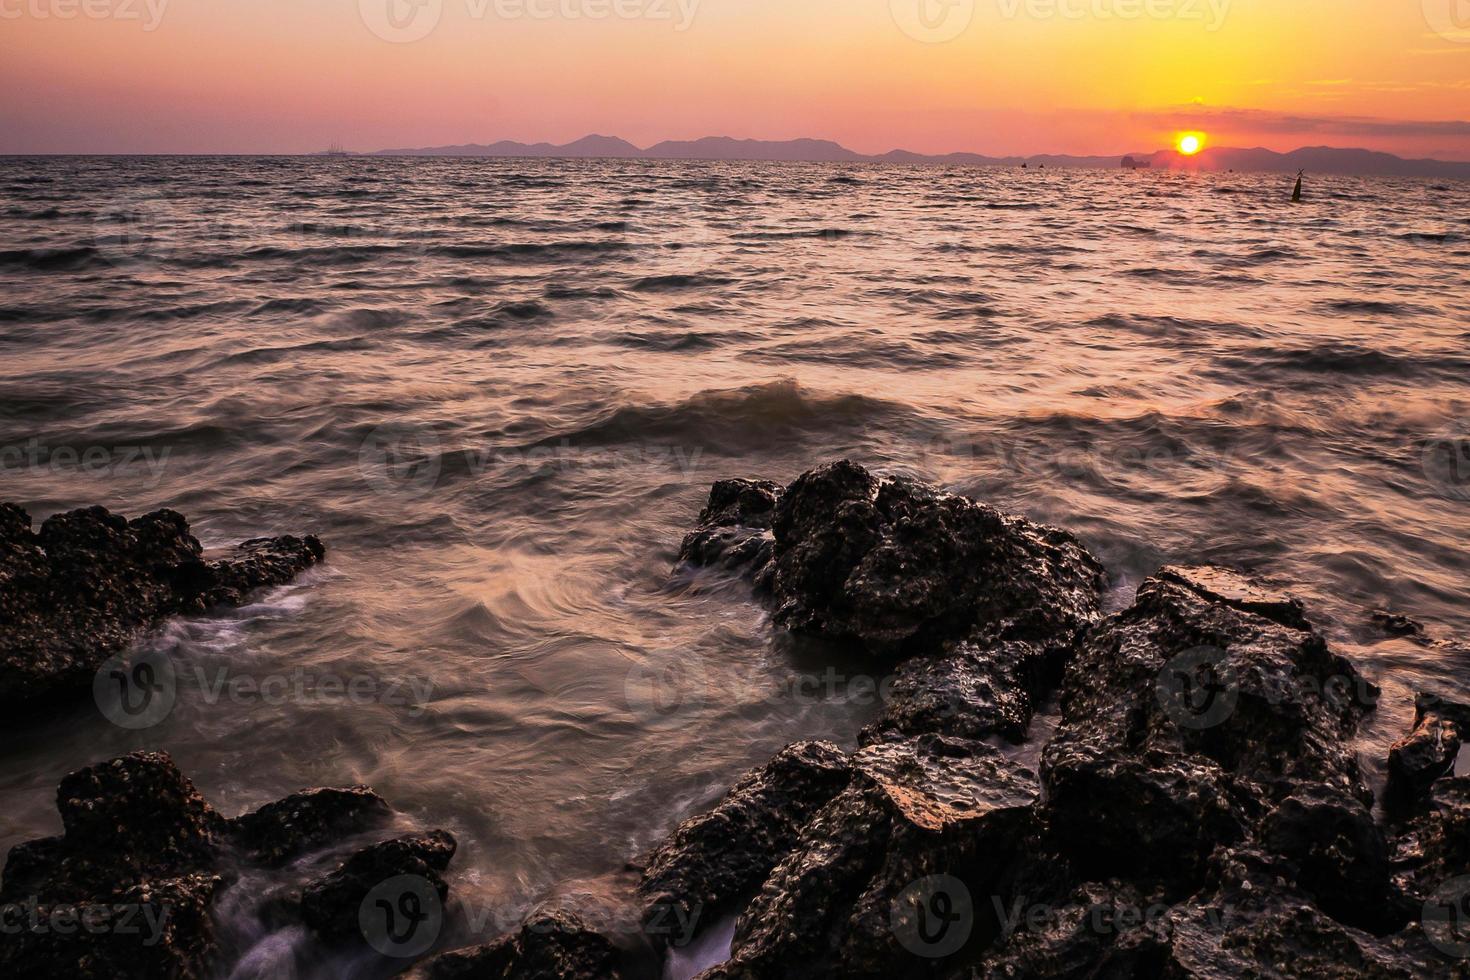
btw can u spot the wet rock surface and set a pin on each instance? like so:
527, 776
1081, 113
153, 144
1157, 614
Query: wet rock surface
722, 856
89, 582
1200, 811
143, 857
553, 945
331, 905
1428, 752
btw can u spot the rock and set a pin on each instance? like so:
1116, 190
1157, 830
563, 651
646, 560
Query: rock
330, 905
927, 826
138, 849
261, 563
90, 582
551, 945
734, 529
307, 821
1433, 847
142, 858
1337, 856
972, 692
902, 568
1395, 624
1187, 718
1428, 752
720, 857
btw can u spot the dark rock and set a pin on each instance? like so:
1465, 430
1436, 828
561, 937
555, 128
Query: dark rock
142, 858
551, 945
1433, 847
139, 845
1147, 775
722, 856
1338, 857
849, 901
972, 692
331, 905
1428, 752
307, 821
1395, 624
90, 582
903, 568
734, 530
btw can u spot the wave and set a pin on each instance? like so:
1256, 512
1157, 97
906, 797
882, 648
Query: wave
75, 259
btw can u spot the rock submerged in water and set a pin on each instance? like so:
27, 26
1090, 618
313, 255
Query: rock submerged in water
143, 856
89, 582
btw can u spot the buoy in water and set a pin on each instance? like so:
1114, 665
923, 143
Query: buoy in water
1296, 195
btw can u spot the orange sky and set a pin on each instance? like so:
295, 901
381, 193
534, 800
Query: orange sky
994, 76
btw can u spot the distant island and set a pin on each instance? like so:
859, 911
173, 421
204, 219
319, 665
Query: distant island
1316, 159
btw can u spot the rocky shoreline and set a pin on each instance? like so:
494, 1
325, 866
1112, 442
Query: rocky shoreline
1198, 812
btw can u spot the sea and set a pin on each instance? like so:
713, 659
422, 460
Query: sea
499, 391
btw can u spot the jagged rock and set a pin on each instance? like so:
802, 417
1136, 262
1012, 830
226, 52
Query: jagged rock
1433, 847
722, 856
734, 529
903, 568
142, 857
551, 945
849, 900
139, 842
307, 821
1395, 624
971, 691
1191, 715
331, 904
1428, 752
1337, 856
89, 582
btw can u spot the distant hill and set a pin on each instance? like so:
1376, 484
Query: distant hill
1316, 159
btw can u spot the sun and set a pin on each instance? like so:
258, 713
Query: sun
1191, 143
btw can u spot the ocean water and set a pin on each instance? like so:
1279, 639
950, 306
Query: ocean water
499, 391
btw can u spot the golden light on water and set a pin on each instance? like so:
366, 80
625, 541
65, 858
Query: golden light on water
1191, 143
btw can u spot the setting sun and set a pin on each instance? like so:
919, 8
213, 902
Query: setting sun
1191, 143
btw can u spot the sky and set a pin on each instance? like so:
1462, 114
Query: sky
988, 76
